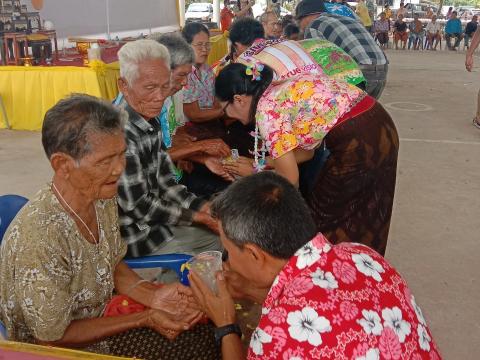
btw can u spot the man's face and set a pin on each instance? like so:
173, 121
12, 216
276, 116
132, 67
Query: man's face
272, 27
474, 18
179, 77
96, 174
454, 15
149, 90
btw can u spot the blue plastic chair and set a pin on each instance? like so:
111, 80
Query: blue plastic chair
10, 205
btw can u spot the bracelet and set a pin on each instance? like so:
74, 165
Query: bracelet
135, 285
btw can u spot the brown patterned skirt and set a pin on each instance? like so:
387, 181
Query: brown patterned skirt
352, 194
197, 343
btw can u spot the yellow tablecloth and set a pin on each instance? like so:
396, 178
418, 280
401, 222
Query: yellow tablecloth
219, 47
28, 92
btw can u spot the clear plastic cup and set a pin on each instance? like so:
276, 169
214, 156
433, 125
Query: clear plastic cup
206, 265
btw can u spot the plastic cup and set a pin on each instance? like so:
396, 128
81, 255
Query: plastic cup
206, 265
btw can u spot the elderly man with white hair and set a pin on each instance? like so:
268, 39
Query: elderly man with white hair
156, 213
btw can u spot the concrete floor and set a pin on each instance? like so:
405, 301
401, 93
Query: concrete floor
434, 239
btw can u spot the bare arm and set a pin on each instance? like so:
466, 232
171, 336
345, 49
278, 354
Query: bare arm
193, 112
244, 11
471, 50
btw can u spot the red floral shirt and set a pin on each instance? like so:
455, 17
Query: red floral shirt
340, 302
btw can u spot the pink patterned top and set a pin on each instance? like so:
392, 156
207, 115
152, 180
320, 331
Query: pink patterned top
300, 111
340, 302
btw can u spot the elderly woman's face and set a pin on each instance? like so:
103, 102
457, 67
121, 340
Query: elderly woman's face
201, 45
150, 89
179, 77
96, 174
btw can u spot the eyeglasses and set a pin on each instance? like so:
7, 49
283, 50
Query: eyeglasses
206, 45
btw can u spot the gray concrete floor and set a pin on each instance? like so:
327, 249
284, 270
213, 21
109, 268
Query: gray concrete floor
434, 239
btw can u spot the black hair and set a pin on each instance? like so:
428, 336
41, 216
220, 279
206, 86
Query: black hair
233, 80
290, 29
192, 29
245, 31
265, 209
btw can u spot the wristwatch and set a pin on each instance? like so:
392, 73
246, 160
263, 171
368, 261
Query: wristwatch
222, 331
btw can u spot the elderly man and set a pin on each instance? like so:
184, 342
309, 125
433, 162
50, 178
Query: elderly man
272, 26
156, 213
433, 33
350, 35
62, 256
319, 300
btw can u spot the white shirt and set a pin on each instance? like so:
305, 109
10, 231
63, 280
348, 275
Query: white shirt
432, 27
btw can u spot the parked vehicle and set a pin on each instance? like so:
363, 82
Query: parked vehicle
199, 12
420, 9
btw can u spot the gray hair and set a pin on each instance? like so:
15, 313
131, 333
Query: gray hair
69, 122
266, 210
132, 53
265, 15
181, 53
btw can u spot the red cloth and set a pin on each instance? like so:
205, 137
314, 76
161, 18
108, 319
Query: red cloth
226, 18
364, 105
122, 305
340, 301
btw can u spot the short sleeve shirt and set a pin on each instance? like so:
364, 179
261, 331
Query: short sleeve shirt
50, 275
200, 87
300, 111
340, 302
433, 27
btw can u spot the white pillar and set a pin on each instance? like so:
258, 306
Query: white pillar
216, 12
181, 12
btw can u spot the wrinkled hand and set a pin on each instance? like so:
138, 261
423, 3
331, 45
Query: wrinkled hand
243, 166
469, 62
214, 147
176, 300
219, 308
185, 165
206, 219
168, 326
215, 166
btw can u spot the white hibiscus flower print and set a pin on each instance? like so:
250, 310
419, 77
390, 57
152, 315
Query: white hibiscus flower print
371, 322
307, 255
418, 311
325, 280
393, 319
306, 325
423, 338
259, 337
372, 354
367, 266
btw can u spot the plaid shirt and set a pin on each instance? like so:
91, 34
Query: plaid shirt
350, 35
149, 198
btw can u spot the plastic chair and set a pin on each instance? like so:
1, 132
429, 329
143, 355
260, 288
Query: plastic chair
10, 205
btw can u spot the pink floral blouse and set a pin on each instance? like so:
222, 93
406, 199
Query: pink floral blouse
340, 302
300, 111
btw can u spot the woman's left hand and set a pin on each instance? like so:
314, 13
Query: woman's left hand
175, 299
219, 308
243, 166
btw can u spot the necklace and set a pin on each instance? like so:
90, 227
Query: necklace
95, 240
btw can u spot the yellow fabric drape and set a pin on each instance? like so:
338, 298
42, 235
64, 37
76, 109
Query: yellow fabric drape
219, 48
28, 92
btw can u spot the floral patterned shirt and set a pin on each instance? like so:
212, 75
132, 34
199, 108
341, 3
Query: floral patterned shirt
200, 87
300, 111
49, 274
340, 302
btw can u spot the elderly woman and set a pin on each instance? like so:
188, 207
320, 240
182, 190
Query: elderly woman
199, 102
351, 196
61, 258
320, 301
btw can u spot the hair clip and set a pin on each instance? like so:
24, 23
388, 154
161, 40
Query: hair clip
255, 71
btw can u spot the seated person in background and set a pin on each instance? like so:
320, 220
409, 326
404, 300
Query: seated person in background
416, 33
156, 213
470, 30
272, 26
199, 103
453, 29
400, 32
291, 32
199, 164
319, 300
433, 33
381, 29
62, 256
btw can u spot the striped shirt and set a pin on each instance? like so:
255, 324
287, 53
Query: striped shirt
149, 198
350, 35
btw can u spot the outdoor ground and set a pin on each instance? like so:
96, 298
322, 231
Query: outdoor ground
435, 238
